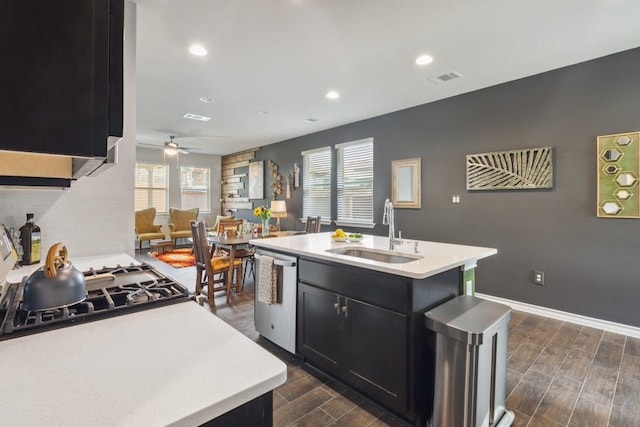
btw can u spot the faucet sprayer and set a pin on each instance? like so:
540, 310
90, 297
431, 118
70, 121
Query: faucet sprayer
388, 219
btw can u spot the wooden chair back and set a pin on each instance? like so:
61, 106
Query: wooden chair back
313, 224
205, 271
233, 227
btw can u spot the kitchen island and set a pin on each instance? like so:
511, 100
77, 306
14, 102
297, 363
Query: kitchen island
174, 365
360, 310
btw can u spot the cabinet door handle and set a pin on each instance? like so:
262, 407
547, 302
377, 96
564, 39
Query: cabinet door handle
336, 305
345, 308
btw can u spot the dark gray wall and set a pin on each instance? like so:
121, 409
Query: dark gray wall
592, 265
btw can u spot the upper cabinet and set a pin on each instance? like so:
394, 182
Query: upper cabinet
61, 76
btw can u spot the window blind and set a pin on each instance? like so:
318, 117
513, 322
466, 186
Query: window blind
355, 181
316, 183
151, 189
195, 188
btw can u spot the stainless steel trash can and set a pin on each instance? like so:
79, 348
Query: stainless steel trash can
471, 363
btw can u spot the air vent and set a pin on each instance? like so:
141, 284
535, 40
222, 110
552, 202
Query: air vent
197, 117
445, 77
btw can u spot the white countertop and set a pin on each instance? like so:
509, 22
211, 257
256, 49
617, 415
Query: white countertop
435, 257
174, 365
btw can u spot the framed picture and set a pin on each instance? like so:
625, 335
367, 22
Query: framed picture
405, 183
256, 180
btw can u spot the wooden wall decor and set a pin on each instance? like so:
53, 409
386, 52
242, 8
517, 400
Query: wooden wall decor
234, 167
525, 169
618, 173
276, 184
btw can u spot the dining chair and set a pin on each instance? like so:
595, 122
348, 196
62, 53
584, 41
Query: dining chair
209, 266
234, 227
313, 224
145, 228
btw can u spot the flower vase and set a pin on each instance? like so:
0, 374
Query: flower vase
265, 227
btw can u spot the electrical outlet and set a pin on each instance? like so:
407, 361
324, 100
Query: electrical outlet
538, 277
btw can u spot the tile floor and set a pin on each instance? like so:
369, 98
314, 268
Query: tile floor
559, 374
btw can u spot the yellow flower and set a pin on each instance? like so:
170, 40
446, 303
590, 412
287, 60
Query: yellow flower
262, 212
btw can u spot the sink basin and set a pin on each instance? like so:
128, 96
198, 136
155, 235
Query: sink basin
375, 255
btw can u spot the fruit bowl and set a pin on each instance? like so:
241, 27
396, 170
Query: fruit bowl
354, 239
339, 239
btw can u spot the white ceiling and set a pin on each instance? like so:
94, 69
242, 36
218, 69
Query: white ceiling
282, 56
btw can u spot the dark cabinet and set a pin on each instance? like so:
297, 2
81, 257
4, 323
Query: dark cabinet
61, 76
361, 343
365, 328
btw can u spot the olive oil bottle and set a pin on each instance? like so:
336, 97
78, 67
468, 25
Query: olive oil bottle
30, 239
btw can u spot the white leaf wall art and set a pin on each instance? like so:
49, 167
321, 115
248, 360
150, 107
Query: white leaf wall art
525, 169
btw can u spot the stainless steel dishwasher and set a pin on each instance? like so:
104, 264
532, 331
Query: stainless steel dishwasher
277, 322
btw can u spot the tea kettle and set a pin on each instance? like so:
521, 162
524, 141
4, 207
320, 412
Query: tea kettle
56, 284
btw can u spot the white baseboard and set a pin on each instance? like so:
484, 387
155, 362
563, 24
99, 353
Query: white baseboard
591, 322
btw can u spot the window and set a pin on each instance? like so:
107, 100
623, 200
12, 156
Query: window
194, 187
151, 187
355, 183
316, 183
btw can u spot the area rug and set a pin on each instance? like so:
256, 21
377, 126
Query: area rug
177, 258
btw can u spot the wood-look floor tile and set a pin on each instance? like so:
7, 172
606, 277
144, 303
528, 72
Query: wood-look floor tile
608, 354
566, 335
560, 399
387, 420
589, 414
613, 337
355, 417
514, 341
528, 393
588, 340
297, 409
531, 322
524, 356
315, 418
632, 346
278, 400
291, 390
553, 322
626, 407
541, 421
550, 360
600, 384
576, 365
541, 335
516, 318
341, 404
520, 420
630, 370
513, 378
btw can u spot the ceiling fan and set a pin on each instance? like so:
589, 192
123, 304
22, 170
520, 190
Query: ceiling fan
171, 148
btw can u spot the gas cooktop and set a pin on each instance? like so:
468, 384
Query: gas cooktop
112, 291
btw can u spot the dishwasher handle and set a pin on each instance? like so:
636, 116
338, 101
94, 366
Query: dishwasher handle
278, 261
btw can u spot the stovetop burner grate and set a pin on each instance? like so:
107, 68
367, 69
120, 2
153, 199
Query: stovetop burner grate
110, 292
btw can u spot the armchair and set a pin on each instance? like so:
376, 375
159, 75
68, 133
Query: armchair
180, 226
145, 228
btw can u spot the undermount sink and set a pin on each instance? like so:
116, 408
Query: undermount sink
375, 255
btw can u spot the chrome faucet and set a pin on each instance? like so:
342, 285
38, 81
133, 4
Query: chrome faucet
388, 219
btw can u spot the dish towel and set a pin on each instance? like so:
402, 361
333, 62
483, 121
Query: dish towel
267, 281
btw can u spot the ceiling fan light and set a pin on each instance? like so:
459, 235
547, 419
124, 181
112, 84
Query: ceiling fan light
170, 151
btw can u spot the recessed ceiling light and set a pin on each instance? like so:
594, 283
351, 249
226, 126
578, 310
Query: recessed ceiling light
197, 117
424, 60
263, 112
197, 50
311, 120
332, 94
206, 100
